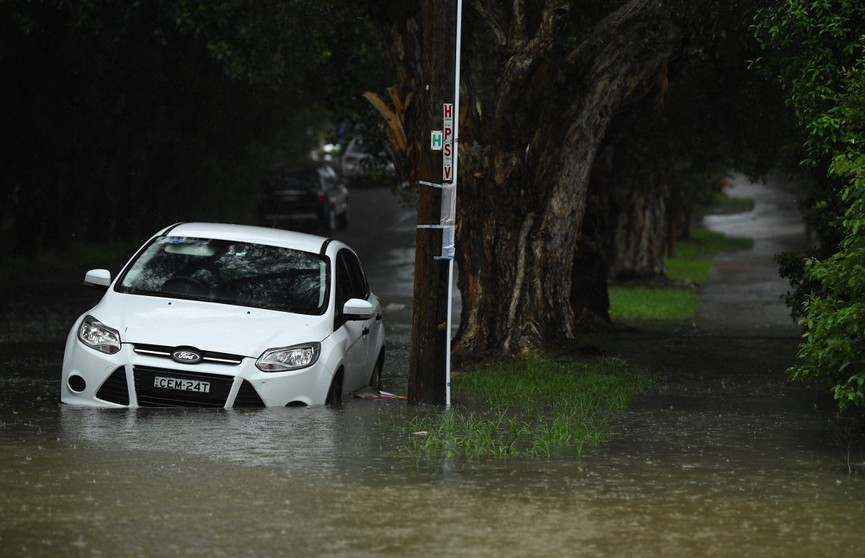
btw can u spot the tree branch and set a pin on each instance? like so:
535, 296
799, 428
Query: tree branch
518, 24
492, 23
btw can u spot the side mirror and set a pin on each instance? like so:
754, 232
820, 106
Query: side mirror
358, 309
98, 279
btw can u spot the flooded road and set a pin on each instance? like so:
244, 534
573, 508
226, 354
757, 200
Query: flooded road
722, 458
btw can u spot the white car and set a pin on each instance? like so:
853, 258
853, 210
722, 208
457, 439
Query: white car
227, 316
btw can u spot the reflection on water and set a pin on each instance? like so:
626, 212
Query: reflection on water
266, 437
329, 482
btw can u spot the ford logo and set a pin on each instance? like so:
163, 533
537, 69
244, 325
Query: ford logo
186, 355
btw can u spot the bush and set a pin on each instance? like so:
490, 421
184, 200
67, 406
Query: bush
833, 347
817, 49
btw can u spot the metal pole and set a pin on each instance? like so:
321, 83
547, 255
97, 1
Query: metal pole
456, 152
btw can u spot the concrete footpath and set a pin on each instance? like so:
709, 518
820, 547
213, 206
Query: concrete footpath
735, 353
744, 294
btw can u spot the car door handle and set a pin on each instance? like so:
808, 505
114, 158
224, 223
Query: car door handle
365, 331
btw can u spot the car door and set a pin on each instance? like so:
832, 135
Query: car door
351, 283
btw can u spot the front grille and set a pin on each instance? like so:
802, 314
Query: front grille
114, 389
247, 396
152, 396
210, 357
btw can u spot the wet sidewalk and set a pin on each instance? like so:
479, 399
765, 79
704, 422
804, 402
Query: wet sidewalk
735, 352
744, 294
724, 456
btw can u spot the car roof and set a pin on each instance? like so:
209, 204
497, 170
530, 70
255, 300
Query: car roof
248, 233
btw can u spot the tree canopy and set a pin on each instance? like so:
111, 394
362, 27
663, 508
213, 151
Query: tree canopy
131, 115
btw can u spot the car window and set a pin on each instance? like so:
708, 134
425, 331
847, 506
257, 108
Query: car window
353, 278
229, 272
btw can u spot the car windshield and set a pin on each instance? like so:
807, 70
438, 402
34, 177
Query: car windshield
230, 272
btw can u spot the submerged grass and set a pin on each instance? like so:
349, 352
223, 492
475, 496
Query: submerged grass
534, 407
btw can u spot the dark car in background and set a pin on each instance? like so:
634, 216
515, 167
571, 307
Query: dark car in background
306, 196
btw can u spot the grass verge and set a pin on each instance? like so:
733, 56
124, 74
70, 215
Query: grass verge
534, 407
652, 303
661, 308
693, 258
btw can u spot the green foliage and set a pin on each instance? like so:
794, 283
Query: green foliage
819, 50
532, 408
833, 346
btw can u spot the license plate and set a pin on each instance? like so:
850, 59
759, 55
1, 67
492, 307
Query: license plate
182, 385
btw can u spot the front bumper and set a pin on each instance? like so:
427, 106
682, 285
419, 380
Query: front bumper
145, 378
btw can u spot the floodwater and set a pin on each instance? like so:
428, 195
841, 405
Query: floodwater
722, 458
332, 482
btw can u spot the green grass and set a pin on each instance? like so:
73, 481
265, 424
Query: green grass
665, 307
529, 408
692, 260
651, 303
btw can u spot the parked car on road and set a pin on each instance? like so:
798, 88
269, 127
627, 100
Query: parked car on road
358, 165
311, 197
226, 316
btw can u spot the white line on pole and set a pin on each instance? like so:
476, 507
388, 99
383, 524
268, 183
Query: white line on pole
454, 194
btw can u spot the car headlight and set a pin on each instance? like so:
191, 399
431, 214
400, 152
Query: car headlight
99, 336
289, 358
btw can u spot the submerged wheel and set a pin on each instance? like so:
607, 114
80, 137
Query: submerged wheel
334, 394
375, 377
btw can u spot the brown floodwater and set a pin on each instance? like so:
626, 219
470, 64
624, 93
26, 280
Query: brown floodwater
677, 478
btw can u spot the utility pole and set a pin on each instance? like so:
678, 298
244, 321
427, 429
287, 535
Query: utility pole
430, 331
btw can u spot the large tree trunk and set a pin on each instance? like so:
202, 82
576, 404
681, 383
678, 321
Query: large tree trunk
632, 215
522, 208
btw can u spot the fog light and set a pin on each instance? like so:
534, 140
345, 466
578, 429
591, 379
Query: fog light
76, 383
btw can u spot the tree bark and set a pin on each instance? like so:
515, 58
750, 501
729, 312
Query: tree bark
632, 228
